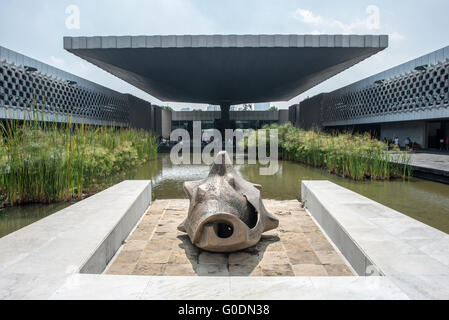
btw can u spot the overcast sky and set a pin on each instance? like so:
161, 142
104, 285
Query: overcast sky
36, 28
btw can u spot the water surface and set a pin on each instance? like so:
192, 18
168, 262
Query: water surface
423, 200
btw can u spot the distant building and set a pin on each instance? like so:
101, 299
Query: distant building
242, 107
185, 109
213, 108
262, 106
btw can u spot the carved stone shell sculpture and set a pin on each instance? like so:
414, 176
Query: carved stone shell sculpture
226, 212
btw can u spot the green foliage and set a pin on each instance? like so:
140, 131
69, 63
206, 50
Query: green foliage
167, 108
42, 162
273, 108
349, 155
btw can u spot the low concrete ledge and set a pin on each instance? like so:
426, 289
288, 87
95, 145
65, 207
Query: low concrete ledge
39, 258
93, 287
431, 174
377, 240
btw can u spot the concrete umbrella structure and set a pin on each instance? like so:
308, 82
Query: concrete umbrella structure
226, 69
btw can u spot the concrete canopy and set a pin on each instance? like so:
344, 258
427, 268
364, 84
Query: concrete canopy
226, 69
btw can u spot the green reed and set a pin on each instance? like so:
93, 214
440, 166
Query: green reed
43, 162
355, 156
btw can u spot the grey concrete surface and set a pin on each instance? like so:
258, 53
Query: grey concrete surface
431, 161
430, 166
385, 242
38, 259
88, 287
226, 69
233, 115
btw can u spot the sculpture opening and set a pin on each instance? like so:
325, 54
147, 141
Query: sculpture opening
226, 212
223, 230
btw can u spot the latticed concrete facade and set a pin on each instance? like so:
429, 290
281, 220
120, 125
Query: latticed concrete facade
410, 101
21, 90
419, 89
27, 85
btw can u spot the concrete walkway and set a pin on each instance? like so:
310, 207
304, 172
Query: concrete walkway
432, 166
431, 161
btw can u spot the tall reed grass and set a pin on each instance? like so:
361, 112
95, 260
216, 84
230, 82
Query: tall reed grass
355, 156
46, 162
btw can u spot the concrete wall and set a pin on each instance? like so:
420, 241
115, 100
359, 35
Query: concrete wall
293, 114
166, 124
196, 115
139, 113
254, 115
283, 116
310, 112
416, 131
234, 115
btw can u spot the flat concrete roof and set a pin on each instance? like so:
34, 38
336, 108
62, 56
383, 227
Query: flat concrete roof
226, 69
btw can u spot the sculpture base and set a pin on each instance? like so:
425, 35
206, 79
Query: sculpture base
297, 248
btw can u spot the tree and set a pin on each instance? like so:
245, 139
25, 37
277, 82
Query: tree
273, 108
167, 108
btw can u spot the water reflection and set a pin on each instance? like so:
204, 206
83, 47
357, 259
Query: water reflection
13, 219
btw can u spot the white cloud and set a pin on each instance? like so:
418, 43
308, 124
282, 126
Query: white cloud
308, 17
327, 25
396, 37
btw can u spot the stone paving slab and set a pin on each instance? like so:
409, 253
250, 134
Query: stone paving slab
296, 248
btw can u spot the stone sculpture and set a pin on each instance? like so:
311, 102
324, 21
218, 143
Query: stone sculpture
226, 212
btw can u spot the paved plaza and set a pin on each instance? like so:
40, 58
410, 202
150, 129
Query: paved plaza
437, 161
297, 248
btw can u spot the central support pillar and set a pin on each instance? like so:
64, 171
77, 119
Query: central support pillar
225, 122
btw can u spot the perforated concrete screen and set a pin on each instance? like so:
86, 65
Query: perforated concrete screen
28, 86
426, 87
415, 90
22, 90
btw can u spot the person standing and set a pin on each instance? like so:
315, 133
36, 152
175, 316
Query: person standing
396, 142
407, 142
